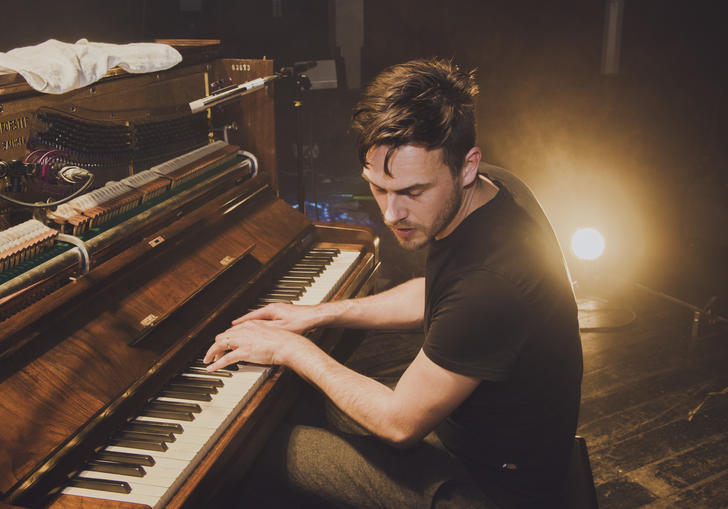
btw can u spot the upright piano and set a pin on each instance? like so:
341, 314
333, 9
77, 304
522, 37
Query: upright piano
107, 301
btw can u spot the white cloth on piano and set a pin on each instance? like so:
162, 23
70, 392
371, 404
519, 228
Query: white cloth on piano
55, 67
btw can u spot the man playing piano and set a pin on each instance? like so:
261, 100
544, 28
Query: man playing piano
498, 377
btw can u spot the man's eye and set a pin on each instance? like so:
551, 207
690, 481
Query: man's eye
413, 194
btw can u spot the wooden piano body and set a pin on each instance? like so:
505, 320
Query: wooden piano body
81, 354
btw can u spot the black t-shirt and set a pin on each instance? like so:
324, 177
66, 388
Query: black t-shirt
499, 307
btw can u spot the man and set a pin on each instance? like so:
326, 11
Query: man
499, 373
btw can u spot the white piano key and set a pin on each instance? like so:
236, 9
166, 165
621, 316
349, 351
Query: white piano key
156, 476
110, 495
180, 450
209, 419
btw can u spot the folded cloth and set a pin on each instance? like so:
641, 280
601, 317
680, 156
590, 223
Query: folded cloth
56, 67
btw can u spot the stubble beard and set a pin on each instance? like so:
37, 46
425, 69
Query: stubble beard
446, 215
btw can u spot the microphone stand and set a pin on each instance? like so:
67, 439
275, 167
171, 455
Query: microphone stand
233, 92
301, 83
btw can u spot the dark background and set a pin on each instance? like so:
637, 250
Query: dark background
639, 155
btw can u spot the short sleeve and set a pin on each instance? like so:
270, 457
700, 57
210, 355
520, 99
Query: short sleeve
477, 326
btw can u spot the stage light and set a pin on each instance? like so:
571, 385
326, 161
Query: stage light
587, 244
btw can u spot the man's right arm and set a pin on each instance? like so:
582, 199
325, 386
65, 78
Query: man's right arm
401, 307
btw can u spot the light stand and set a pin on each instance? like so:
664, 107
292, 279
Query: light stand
595, 315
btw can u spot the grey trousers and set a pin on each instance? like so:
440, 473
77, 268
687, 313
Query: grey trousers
321, 458
310, 466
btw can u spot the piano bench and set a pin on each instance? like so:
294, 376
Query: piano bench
579, 492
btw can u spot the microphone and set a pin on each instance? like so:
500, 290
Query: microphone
299, 67
230, 93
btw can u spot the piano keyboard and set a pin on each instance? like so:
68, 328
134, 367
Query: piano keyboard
150, 458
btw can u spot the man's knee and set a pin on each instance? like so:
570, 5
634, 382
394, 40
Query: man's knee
458, 494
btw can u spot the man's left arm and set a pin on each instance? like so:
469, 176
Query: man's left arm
425, 395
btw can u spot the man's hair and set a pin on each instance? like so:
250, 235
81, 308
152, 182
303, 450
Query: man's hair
428, 103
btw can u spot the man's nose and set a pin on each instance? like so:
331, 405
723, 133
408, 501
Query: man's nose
394, 211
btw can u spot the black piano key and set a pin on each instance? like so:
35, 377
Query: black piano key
186, 393
199, 363
284, 296
309, 265
202, 371
168, 414
278, 289
178, 385
273, 301
303, 272
330, 251
100, 484
144, 445
198, 382
174, 406
296, 279
325, 259
315, 262
305, 281
125, 457
300, 274
294, 288
313, 273
116, 468
152, 436
286, 287
284, 292
154, 427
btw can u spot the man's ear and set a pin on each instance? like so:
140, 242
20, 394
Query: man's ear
470, 167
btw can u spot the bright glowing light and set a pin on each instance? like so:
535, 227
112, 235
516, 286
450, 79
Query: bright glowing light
587, 244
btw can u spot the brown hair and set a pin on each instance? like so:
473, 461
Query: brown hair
428, 102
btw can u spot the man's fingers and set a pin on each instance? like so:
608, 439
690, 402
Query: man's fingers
225, 360
258, 314
218, 348
211, 354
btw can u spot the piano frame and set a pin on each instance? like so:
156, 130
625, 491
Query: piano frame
91, 344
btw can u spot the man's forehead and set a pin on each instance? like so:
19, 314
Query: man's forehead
408, 163
400, 179
394, 183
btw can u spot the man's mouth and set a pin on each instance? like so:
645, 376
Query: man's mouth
403, 231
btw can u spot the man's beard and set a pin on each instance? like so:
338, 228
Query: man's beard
446, 215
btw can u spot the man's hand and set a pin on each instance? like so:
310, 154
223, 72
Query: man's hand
294, 318
253, 341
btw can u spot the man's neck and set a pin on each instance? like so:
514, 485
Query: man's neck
481, 192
